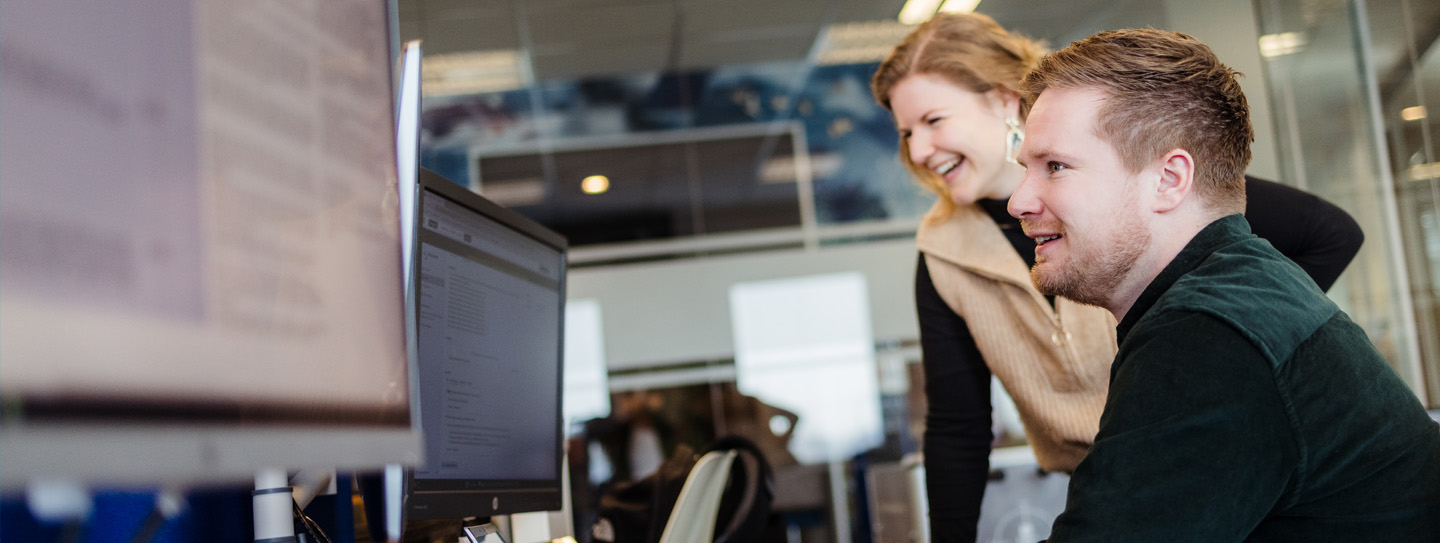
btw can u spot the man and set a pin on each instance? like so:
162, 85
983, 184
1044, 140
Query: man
1243, 404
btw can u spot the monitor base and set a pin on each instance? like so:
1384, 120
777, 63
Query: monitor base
483, 533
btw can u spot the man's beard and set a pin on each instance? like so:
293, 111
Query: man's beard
1092, 277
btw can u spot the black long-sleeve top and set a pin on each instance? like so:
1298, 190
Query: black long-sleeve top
1316, 234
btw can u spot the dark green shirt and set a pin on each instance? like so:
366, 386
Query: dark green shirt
1245, 406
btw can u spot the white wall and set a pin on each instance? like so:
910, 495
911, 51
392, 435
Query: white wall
679, 311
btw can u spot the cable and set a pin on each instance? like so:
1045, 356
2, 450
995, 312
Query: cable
168, 505
152, 525
311, 529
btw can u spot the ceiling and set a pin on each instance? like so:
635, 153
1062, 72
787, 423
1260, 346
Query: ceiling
576, 38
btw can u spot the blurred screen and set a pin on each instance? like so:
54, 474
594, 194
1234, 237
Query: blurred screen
198, 214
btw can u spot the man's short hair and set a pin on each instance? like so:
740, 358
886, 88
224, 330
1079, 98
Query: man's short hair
1166, 90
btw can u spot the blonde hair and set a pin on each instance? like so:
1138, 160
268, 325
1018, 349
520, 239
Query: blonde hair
969, 50
1166, 90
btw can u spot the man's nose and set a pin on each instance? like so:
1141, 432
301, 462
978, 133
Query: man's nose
1025, 202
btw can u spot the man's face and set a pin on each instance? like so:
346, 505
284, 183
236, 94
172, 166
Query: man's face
1078, 201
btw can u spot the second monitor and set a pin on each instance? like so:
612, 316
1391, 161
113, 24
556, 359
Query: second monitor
489, 308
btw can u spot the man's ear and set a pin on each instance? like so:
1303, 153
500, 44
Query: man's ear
1176, 181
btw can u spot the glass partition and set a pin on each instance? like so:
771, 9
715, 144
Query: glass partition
1409, 93
1327, 76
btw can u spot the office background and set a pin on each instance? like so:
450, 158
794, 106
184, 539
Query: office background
741, 145
743, 150
524, 100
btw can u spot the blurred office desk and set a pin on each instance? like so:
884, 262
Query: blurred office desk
1021, 502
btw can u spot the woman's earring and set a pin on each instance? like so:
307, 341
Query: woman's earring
1013, 137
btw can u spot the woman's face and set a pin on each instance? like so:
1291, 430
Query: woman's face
957, 134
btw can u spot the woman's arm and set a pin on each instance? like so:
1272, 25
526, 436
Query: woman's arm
1316, 234
957, 420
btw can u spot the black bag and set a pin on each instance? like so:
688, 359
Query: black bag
637, 511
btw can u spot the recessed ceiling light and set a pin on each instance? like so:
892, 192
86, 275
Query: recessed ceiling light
1413, 113
595, 184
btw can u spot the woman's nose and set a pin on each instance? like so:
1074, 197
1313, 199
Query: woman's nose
920, 148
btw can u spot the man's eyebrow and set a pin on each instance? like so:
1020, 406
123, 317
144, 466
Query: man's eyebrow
1036, 155
1046, 155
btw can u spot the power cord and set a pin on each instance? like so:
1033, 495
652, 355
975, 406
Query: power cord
307, 530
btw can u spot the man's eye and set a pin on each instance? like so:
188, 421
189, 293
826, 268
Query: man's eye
1055, 166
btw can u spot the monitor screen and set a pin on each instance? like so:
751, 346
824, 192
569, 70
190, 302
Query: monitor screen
489, 307
199, 241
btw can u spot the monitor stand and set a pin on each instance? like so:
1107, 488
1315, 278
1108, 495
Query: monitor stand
483, 533
273, 506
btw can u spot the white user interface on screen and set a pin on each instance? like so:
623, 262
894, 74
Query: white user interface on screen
488, 321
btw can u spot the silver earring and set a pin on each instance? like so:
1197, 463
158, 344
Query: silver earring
1013, 137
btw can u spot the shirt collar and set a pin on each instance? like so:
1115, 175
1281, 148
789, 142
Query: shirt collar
1210, 239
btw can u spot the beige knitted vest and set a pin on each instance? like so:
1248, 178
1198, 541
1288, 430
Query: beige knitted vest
1055, 363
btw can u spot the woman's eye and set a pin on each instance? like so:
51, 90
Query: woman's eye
933, 121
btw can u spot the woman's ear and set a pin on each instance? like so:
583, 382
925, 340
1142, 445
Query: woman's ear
1006, 103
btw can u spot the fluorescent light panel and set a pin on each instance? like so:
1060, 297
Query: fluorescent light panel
1274, 45
474, 72
919, 11
959, 6
1423, 172
860, 42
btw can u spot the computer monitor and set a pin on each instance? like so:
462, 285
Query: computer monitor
199, 242
489, 308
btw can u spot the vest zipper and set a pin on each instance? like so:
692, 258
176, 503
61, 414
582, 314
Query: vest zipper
1061, 336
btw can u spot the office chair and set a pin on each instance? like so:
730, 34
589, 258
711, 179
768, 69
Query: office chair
693, 518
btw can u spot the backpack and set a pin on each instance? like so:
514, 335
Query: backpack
637, 511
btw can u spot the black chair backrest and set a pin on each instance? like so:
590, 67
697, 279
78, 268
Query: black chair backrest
745, 505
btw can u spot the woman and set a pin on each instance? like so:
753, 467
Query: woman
950, 86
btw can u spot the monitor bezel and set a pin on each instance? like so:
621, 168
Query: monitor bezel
424, 500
